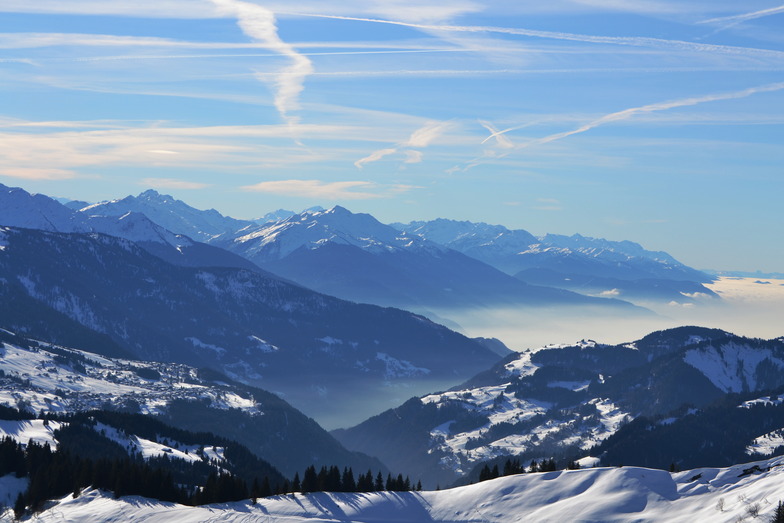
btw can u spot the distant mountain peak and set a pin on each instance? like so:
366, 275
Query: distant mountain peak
149, 193
338, 211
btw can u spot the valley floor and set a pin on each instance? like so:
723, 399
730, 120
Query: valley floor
747, 492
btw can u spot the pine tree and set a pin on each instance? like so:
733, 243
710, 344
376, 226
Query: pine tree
295, 485
484, 474
266, 489
379, 485
255, 489
333, 480
347, 482
322, 479
778, 514
369, 479
19, 506
309, 480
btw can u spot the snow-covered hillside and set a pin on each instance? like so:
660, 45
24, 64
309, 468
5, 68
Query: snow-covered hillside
512, 425
561, 400
54, 379
747, 492
40, 377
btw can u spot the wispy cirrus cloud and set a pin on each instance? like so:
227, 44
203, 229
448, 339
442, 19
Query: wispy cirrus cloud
35, 40
548, 204
182, 9
420, 138
320, 190
259, 23
374, 157
413, 156
37, 173
425, 135
170, 183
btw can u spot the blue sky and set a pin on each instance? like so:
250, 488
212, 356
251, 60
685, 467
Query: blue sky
656, 121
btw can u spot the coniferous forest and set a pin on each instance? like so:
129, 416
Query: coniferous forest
86, 457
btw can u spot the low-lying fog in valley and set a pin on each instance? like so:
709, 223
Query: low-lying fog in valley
748, 306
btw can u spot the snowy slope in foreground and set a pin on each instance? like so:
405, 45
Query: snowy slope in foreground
601, 494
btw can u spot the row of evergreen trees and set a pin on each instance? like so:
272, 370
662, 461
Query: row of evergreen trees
513, 466
331, 480
55, 473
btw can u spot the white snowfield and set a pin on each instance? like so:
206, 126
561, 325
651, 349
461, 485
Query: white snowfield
628, 494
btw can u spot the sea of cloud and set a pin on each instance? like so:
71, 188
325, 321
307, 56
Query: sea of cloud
747, 306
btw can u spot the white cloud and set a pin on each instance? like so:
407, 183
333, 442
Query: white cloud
258, 23
425, 135
170, 183
422, 137
34, 40
548, 204
138, 8
36, 173
317, 189
422, 11
374, 157
413, 156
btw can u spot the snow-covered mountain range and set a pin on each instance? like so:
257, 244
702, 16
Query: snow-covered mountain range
749, 492
562, 400
356, 257
18, 208
331, 358
513, 250
592, 266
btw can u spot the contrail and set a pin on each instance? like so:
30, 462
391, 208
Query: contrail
736, 19
661, 106
502, 140
628, 113
258, 23
635, 41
